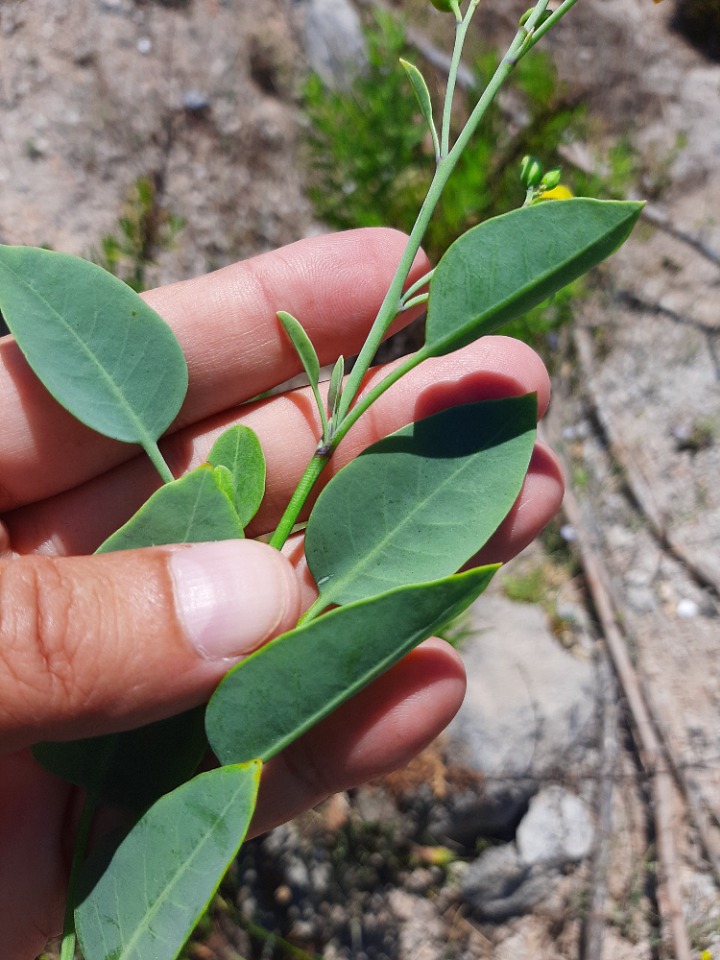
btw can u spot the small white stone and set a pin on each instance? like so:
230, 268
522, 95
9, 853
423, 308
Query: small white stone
687, 608
567, 532
144, 45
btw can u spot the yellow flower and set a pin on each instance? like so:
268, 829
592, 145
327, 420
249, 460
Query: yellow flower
560, 192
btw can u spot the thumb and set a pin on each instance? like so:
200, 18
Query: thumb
90, 645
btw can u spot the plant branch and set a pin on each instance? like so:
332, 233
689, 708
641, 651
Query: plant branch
418, 285
461, 28
393, 301
537, 33
297, 501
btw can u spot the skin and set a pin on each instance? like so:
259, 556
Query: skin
63, 489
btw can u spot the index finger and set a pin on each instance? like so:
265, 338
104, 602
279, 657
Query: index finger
235, 348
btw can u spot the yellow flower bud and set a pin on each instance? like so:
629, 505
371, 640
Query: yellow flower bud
560, 192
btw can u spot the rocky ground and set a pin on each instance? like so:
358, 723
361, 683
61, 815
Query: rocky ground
572, 810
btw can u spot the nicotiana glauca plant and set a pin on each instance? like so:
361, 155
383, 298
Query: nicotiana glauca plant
384, 540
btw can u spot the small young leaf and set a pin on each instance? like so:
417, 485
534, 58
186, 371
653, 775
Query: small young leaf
95, 344
149, 898
239, 450
422, 93
335, 388
419, 504
224, 482
276, 694
193, 509
509, 264
303, 346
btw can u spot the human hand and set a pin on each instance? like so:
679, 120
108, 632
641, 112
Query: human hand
90, 645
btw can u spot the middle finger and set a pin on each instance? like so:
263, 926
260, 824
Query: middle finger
77, 521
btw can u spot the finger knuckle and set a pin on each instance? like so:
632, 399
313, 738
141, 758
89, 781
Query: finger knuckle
38, 645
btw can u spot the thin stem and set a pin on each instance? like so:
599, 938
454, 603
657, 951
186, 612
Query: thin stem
67, 948
461, 28
418, 285
320, 460
392, 301
514, 53
297, 501
158, 461
539, 32
416, 301
313, 611
377, 391
321, 410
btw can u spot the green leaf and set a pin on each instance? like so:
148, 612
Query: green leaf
134, 768
95, 344
193, 509
422, 93
303, 346
511, 263
239, 450
276, 694
335, 389
419, 504
150, 897
224, 481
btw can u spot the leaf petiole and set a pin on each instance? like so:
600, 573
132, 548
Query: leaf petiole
418, 285
415, 301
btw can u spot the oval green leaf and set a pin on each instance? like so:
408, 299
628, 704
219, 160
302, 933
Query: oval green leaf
507, 265
193, 509
319, 665
238, 450
419, 504
150, 897
94, 343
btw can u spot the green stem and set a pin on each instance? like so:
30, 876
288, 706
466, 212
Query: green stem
391, 304
515, 52
416, 301
297, 501
539, 32
418, 285
67, 947
377, 391
158, 461
321, 410
461, 29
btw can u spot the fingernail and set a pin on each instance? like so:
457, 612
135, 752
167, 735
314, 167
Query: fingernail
232, 596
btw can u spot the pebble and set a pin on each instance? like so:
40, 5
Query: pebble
687, 609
